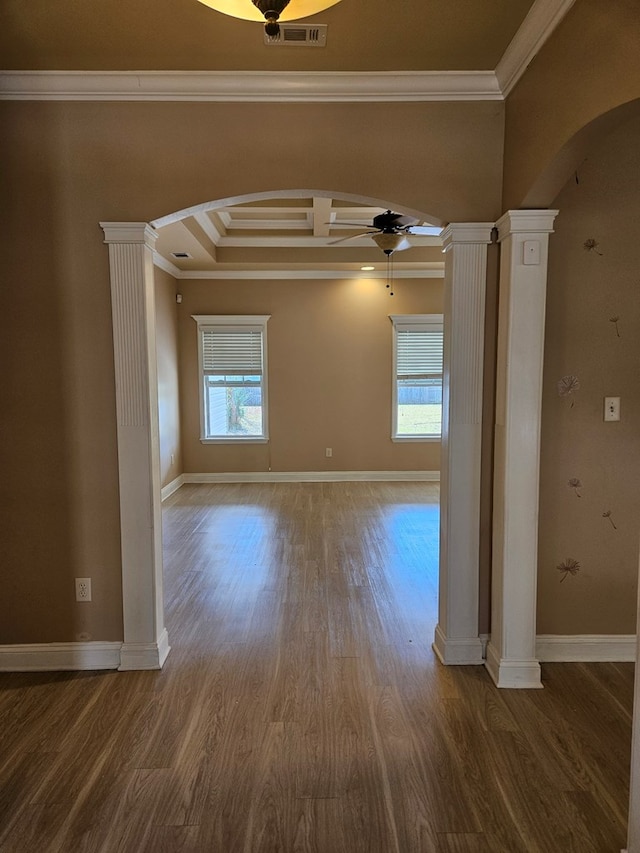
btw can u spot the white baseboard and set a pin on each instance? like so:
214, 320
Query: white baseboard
458, 652
557, 648
312, 477
512, 674
63, 657
52, 657
171, 487
136, 656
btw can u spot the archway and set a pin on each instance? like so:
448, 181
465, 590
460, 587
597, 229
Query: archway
131, 266
601, 214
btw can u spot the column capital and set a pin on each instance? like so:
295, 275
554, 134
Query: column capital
525, 222
129, 232
466, 232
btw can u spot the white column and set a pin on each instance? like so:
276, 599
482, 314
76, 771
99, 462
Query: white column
456, 636
133, 310
511, 653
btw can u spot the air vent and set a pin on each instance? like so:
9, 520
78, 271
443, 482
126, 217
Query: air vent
299, 34
181, 255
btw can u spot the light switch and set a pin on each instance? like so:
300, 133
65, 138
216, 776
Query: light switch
612, 408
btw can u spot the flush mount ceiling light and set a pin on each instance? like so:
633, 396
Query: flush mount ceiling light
270, 11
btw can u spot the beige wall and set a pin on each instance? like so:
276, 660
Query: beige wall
168, 382
586, 289
330, 371
69, 166
588, 67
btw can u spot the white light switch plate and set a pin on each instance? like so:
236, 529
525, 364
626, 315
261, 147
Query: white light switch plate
612, 408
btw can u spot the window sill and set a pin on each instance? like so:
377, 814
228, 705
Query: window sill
403, 438
250, 439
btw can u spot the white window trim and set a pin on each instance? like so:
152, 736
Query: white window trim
407, 321
205, 320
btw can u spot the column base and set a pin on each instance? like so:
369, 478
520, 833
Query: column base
520, 674
465, 651
135, 656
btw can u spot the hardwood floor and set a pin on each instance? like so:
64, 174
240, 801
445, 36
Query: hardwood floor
302, 708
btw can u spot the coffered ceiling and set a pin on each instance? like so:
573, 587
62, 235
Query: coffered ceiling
307, 237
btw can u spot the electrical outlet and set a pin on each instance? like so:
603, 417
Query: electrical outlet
328, 452
83, 589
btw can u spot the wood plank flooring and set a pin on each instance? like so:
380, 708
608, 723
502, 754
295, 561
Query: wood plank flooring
302, 709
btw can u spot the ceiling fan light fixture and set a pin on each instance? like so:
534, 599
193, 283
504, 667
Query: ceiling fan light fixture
391, 242
270, 10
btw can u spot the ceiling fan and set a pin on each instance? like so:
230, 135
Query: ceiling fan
390, 231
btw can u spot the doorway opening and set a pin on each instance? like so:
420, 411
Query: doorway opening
451, 647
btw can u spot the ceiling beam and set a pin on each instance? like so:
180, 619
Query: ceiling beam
196, 230
321, 217
204, 221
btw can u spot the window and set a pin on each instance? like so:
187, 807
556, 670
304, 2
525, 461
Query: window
417, 377
232, 358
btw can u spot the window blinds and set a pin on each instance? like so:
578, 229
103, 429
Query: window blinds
419, 353
232, 352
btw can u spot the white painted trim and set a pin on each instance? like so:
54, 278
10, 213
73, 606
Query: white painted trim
430, 270
250, 323
511, 655
457, 233
167, 266
171, 487
542, 19
296, 242
136, 233
301, 192
312, 477
465, 247
131, 276
59, 657
585, 647
135, 656
512, 674
465, 652
239, 86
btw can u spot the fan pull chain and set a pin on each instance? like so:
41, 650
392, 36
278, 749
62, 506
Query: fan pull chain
389, 272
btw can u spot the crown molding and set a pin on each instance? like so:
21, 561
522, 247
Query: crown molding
163, 264
296, 86
525, 222
241, 86
129, 232
542, 19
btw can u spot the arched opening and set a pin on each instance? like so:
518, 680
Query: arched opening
457, 639
588, 545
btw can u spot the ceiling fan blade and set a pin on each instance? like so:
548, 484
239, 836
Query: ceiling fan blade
351, 237
424, 230
337, 222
